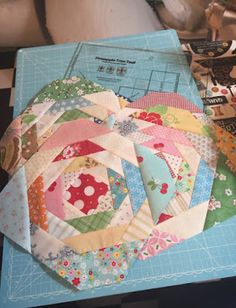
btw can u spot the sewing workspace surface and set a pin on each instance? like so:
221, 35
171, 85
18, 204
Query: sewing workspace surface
209, 255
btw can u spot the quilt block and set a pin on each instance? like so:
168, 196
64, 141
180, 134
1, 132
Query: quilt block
97, 182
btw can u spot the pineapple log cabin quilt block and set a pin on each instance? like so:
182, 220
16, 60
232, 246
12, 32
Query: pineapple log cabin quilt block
97, 182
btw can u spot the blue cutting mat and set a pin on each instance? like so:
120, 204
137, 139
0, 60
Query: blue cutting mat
209, 255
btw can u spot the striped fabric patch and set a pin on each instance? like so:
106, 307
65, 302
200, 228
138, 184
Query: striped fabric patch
141, 226
179, 204
58, 228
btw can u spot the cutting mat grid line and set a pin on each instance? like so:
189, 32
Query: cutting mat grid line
209, 255
204, 258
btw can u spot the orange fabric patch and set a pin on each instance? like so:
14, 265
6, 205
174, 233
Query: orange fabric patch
227, 144
37, 207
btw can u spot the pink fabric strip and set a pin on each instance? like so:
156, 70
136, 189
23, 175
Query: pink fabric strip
74, 131
81, 148
166, 133
158, 242
164, 98
164, 145
53, 199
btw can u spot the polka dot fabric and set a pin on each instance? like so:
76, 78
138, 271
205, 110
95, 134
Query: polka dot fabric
85, 192
96, 176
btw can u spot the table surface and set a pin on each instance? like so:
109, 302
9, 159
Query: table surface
210, 255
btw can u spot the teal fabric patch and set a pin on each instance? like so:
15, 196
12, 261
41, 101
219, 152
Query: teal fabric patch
158, 182
95, 268
118, 187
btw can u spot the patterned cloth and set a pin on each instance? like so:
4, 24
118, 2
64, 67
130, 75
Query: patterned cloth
93, 196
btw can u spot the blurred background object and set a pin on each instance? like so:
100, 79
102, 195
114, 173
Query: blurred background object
199, 19
186, 16
29, 22
39, 22
77, 20
19, 25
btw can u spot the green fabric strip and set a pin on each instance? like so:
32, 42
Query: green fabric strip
70, 115
67, 89
92, 222
223, 200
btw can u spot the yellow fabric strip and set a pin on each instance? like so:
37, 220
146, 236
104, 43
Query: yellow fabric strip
184, 120
96, 240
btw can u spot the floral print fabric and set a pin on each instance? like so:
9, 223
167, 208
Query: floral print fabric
222, 204
107, 179
157, 242
94, 269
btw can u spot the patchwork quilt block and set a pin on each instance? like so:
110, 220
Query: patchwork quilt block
97, 182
